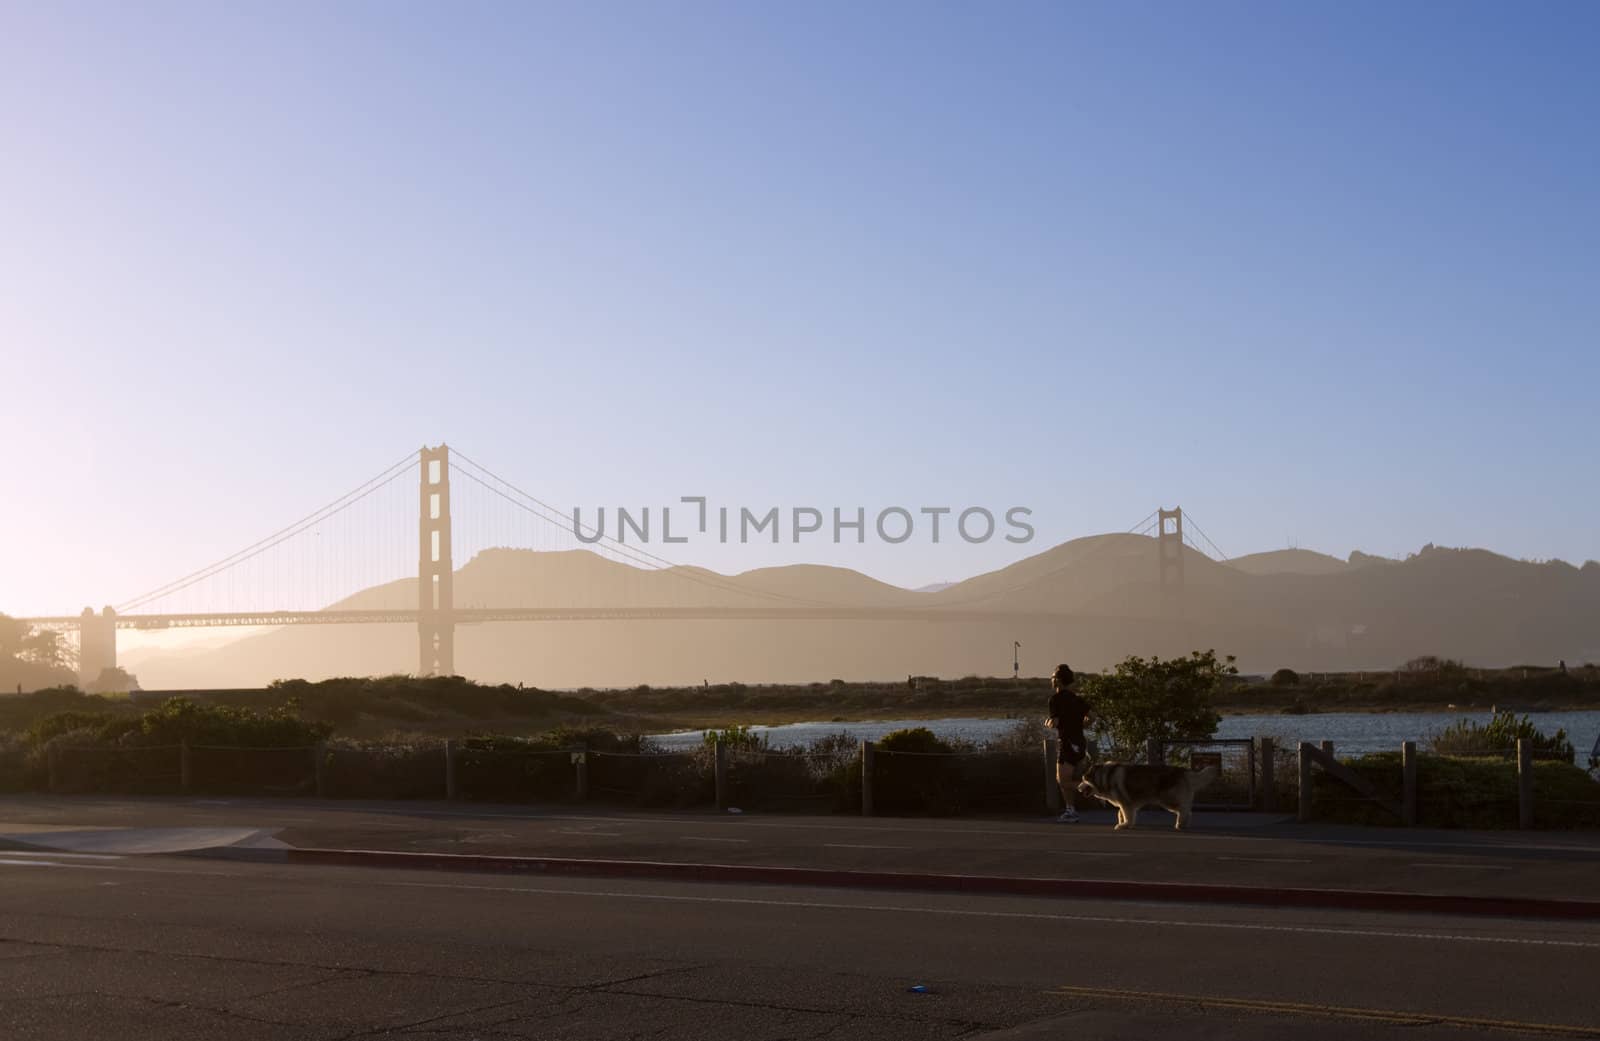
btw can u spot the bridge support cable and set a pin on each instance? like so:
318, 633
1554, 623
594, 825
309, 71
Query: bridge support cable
330, 567
635, 557
1144, 525
1188, 519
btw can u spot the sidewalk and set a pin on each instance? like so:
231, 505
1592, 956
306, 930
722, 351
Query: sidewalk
1228, 850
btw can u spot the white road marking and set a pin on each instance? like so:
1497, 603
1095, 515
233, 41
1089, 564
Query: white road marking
1469, 867
585, 831
858, 845
56, 863
1269, 860
1087, 853
704, 838
1174, 923
59, 856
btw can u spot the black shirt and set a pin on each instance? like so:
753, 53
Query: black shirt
1069, 710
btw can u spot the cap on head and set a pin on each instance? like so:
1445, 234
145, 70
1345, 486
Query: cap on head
1062, 675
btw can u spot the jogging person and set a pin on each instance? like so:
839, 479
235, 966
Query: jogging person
1068, 713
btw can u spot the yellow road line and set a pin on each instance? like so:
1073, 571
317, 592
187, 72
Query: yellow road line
1333, 1011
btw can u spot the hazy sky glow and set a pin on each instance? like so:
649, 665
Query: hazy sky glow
1326, 276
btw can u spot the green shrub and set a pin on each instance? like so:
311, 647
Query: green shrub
1285, 678
177, 720
1464, 792
913, 739
17, 763
1024, 737
385, 770
500, 769
1499, 736
739, 738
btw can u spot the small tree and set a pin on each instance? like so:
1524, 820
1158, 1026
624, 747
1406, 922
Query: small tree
1145, 698
114, 680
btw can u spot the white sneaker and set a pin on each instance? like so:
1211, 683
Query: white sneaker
1068, 817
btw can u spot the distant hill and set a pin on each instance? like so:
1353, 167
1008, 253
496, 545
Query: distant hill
1288, 562
1090, 601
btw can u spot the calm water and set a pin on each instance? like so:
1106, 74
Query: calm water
1352, 733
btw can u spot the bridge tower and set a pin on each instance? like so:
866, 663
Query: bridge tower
436, 625
97, 645
1169, 554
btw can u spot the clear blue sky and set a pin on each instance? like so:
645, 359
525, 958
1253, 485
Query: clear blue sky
1326, 274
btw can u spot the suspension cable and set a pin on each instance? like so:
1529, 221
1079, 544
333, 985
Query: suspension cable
338, 505
642, 556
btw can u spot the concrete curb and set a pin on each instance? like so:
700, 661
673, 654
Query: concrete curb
1059, 888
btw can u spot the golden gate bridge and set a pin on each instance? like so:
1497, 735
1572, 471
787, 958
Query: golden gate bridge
351, 562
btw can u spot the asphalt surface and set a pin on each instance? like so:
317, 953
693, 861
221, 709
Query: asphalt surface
1230, 849
160, 947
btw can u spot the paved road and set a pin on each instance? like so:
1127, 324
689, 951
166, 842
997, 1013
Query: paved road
1238, 849
171, 948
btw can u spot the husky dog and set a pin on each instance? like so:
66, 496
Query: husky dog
1132, 786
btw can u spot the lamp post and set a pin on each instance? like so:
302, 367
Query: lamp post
1015, 665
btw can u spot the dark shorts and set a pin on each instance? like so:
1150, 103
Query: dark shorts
1067, 752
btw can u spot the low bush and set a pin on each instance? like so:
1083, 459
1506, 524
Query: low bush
1464, 792
18, 763
385, 770
917, 772
512, 770
673, 779
1499, 736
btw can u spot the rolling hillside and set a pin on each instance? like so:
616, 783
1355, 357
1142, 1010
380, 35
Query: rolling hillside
1090, 601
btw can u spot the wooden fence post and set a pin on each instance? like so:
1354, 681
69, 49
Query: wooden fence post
1524, 783
868, 761
1304, 812
452, 786
581, 759
1269, 776
722, 774
185, 768
320, 768
1052, 790
1408, 783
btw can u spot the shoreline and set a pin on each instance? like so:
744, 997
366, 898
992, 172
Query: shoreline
690, 722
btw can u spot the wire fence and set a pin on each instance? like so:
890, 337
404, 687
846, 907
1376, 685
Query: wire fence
136, 770
655, 779
499, 774
1484, 789
1237, 781
815, 782
253, 771
386, 772
949, 783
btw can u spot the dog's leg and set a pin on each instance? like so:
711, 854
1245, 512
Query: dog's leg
1183, 815
1131, 816
1122, 816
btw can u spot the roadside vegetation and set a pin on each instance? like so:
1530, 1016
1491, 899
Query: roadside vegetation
1467, 778
385, 737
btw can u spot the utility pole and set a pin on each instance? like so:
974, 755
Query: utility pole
1015, 664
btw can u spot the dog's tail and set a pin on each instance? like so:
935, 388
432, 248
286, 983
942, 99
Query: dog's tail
1198, 779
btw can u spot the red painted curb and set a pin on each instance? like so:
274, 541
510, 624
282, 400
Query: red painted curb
1060, 888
